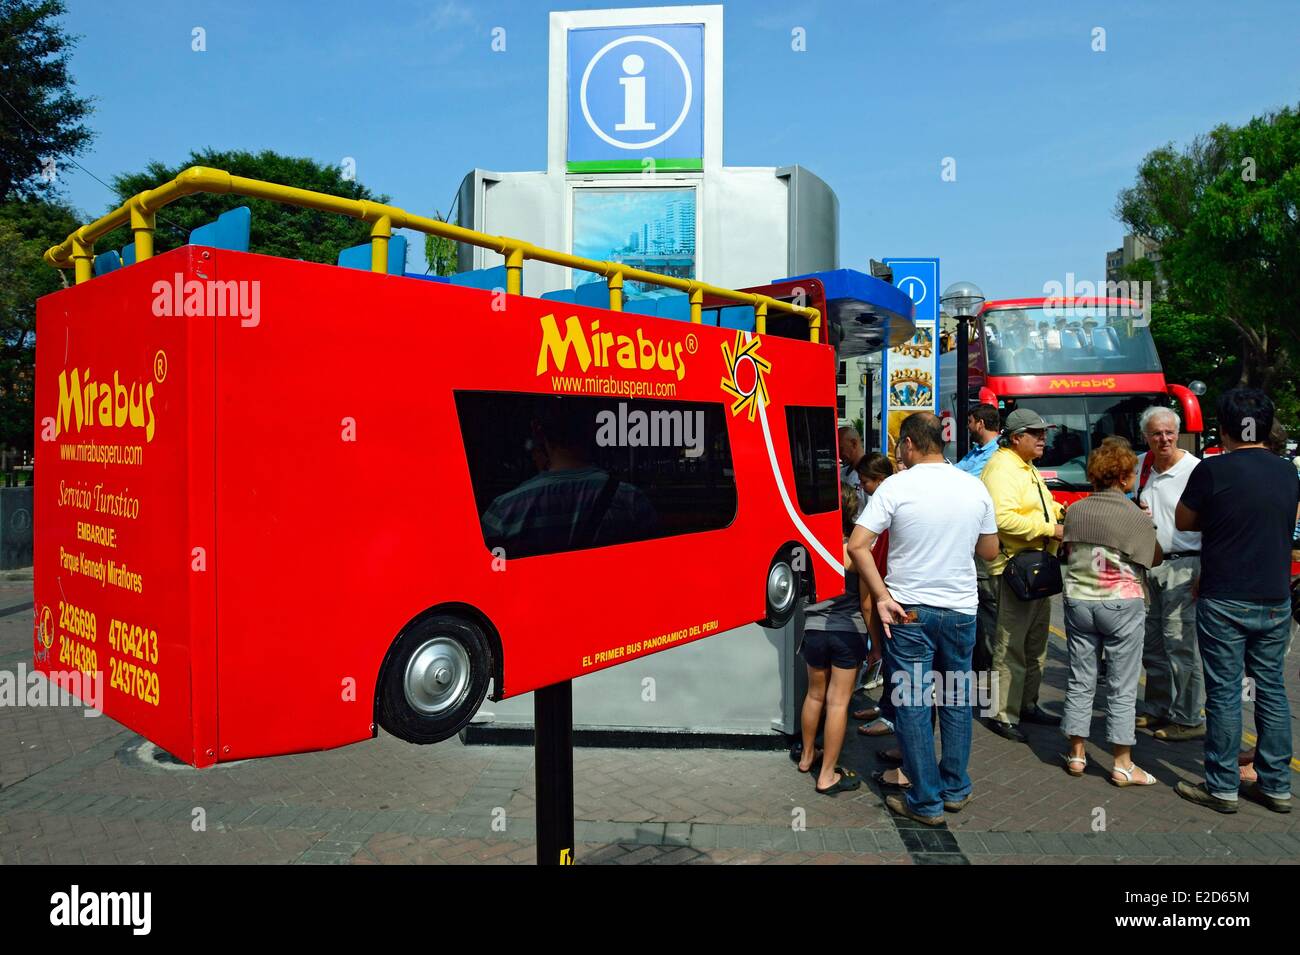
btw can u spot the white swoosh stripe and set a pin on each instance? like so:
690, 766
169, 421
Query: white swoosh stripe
812, 541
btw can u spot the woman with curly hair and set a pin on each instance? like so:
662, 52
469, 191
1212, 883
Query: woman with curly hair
1110, 545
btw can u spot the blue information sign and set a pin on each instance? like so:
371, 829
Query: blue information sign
636, 93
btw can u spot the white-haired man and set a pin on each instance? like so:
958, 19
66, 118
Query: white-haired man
851, 452
1175, 690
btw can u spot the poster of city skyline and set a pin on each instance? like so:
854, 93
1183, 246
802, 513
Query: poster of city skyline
651, 229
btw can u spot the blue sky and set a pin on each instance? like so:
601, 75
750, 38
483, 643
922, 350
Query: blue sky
1044, 130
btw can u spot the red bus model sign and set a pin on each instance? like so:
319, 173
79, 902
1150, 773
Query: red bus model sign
386, 498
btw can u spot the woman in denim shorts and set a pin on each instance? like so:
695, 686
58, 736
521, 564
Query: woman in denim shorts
834, 646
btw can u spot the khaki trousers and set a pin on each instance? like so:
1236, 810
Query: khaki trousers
1175, 687
986, 620
1019, 651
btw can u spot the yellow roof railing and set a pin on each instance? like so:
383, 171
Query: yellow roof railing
78, 249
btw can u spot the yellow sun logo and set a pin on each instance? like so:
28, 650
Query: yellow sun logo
745, 368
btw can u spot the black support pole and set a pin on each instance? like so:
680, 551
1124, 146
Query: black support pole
962, 410
553, 742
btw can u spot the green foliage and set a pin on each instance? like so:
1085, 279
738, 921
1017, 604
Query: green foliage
1197, 348
286, 231
440, 252
27, 228
34, 80
1226, 212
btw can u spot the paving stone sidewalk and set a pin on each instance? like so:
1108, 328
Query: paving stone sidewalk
86, 790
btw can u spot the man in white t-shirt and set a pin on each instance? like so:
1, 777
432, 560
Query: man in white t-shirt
938, 519
1175, 689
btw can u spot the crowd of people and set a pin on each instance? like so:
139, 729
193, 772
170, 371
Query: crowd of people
1173, 565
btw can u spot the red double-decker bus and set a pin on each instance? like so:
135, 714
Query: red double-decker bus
1089, 366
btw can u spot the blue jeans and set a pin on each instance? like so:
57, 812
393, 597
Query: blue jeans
1237, 634
932, 661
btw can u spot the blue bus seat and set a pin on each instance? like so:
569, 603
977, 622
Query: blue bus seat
107, 262
1105, 340
594, 294
488, 279
641, 305
358, 257
740, 317
676, 306
229, 231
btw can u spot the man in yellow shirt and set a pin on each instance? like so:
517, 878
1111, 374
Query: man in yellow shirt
1027, 518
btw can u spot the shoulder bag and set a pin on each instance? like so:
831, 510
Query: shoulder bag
1034, 574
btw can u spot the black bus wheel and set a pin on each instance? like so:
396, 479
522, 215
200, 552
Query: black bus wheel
434, 679
780, 589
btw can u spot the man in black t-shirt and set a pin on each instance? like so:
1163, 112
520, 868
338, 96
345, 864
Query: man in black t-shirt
1245, 504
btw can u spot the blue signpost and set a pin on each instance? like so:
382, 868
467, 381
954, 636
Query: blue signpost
909, 374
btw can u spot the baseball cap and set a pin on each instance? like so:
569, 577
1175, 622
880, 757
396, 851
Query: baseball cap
1023, 419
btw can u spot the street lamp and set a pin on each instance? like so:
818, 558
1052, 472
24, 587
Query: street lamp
962, 300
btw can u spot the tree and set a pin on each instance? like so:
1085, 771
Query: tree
1226, 213
440, 252
277, 229
42, 115
27, 228
1197, 348
1192, 346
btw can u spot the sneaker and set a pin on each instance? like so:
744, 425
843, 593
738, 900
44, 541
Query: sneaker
1177, 733
1036, 714
898, 805
956, 805
1252, 792
1148, 722
1008, 731
1203, 797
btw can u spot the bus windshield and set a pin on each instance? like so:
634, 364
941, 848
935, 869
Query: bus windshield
1081, 423
1068, 339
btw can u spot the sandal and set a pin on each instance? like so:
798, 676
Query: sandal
1128, 777
1071, 760
878, 777
871, 676
847, 782
877, 727
867, 714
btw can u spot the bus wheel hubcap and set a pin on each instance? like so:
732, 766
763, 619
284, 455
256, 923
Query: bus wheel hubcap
780, 587
436, 675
